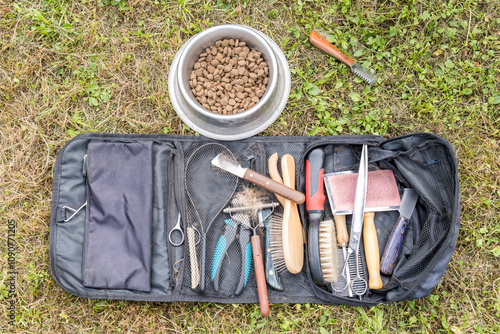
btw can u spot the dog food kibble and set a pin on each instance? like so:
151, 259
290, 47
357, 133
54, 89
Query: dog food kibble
229, 77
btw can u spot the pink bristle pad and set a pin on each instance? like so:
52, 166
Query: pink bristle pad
381, 191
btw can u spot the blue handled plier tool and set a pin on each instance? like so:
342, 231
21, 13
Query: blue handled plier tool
232, 232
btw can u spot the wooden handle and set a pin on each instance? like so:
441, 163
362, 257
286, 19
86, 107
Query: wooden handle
371, 251
277, 188
292, 238
292, 233
260, 276
193, 259
288, 171
275, 174
321, 43
342, 234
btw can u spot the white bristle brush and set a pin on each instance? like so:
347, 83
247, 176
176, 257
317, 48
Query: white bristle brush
328, 251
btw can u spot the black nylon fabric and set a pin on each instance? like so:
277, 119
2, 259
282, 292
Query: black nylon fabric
117, 251
435, 222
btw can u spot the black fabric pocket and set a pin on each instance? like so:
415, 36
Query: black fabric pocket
117, 251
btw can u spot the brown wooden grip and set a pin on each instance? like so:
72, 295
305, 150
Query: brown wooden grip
292, 238
288, 170
292, 233
321, 43
371, 251
277, 188
342, 235
275, 174
260, 276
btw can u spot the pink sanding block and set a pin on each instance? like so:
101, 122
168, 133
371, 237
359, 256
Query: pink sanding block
381, 195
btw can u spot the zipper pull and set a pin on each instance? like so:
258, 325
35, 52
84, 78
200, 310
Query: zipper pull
432, 162
84, 167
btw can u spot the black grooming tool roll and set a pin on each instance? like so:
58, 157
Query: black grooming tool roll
125, 226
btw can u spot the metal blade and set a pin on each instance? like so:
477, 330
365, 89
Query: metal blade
228, 164
359, 202
363, 73
408, 202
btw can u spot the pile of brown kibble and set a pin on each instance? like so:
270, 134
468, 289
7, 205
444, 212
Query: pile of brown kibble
229, 77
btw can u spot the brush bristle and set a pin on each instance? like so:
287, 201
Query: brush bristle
276, 242
328, 251
381, 193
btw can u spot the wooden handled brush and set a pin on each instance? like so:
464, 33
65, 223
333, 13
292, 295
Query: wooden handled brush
290, 246
293, 237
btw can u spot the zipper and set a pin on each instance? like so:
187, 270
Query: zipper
86, 174
432, 162
370, 142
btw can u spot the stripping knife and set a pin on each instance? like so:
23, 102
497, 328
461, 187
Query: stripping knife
395, 242
226, 163
321, 43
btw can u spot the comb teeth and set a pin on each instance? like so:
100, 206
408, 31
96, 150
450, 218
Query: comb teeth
340, 287
363, 73
336, 287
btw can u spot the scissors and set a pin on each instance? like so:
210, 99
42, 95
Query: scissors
177, 228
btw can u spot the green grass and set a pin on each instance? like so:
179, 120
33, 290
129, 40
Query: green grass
69, 67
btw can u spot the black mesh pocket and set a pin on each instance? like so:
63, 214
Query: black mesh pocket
208, 191
429, 173
254, 156
426, 166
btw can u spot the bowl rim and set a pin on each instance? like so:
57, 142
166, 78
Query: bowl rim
219, 129
192, 42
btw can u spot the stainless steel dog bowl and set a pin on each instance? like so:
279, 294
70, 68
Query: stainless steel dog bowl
236, 126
